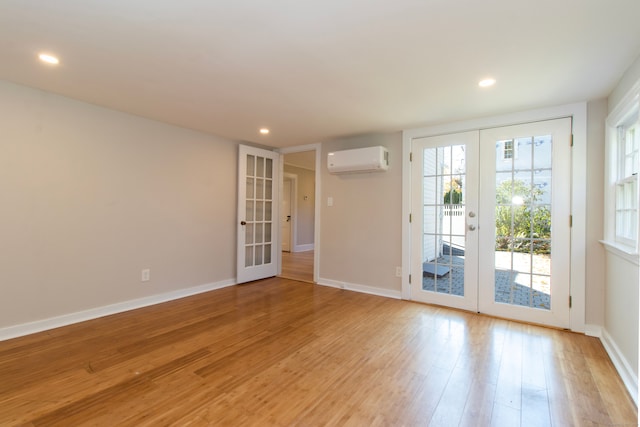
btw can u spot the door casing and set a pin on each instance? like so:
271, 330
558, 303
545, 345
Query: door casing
578, 114
317, 149
292, 238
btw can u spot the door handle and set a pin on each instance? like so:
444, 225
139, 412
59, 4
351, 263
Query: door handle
471, 227
243, 222
288, 218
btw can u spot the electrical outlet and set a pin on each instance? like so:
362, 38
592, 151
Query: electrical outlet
398, 271
146, 275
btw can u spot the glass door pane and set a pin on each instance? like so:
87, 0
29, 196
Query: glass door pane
444, 220
523, 222
258, 207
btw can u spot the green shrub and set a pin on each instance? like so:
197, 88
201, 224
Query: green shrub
522, 227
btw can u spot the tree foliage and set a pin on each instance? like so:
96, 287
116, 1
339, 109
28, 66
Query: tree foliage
523, 226
453, 192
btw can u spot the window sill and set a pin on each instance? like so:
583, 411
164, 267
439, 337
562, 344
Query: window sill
622, 251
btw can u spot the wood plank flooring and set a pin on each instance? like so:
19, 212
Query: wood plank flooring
278, 353
298, 266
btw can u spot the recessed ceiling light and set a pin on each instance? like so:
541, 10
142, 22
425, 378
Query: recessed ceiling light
264, 131
49, 59
487, 82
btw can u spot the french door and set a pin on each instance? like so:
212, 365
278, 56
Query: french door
444, 241
491, 230
257, 214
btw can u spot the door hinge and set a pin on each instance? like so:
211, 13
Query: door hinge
571, 140
409, 279
411, 156
570, 301
570, 220
410, 217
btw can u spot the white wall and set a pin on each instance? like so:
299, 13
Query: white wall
621, 309
90, 196
594, 252
621, 317
360, 234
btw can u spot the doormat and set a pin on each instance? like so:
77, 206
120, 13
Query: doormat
434, 270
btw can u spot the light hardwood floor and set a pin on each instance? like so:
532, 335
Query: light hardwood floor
278, 352
298, 266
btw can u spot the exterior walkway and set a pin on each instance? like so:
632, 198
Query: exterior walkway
514, 285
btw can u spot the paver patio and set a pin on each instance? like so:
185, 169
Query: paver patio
514, 284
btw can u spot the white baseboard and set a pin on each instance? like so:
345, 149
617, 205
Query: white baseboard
303, 248
621, 364
360, 288
94, 313
593, 331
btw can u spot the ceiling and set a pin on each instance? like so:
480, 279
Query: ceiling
316, 70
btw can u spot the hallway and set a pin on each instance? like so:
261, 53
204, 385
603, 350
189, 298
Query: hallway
298, 266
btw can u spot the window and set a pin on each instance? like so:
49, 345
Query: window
509, 150
622, 196
626, 218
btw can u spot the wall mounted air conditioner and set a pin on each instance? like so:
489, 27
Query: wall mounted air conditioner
370, 159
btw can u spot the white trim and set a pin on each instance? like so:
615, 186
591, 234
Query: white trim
364, 289
624, 107
621, 251
519, 118
298, 166
578, 112
621, 364
304, 248
299, 149
293, 205
407, 191
593, 331
579, 216
318, 183
107, 310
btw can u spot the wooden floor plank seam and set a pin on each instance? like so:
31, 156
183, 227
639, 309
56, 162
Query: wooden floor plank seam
283, 352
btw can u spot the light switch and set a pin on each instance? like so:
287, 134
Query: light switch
329, 201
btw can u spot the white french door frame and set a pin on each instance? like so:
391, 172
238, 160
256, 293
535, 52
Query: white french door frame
578, 114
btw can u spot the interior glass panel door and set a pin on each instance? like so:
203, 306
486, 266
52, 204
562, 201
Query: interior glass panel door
257, 207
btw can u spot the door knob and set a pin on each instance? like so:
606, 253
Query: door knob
243, 222
472, 227
472, 214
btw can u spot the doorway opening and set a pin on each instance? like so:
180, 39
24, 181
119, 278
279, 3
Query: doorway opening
297, 215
